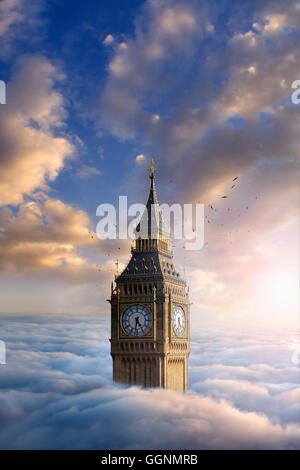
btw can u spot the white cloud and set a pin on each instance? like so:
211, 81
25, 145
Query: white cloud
176, 20
56, 392
140, 159
86, 171
109, 39
275, 23
18, 19
143, 64
11, 12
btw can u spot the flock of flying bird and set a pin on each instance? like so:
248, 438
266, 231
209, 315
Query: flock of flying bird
214, 209
209, 219
235, 180
225, 197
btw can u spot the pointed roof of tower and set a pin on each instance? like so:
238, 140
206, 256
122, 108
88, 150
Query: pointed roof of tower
152, 199
151, 256
151, 224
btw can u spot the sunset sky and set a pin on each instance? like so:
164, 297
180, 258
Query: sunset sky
94, 92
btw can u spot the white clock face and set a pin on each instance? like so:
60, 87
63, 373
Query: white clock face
178, 321
137, 320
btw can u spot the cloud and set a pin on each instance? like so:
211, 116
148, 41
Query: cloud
9, 14
109, 39
17, 18
85, 171
48, 248
197, 120
163, 29
34, 146
56, 392
274, 23
140, 158
43, 236
176, 20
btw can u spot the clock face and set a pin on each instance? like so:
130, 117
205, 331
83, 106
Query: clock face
178, 321
137, 320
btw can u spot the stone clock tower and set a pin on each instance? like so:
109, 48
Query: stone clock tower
150, 311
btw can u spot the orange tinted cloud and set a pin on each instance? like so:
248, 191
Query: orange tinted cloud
32, 153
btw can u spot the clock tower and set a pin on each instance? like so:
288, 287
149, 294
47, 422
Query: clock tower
150, 310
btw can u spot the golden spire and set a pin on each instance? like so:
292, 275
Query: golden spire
152, 195
152, 169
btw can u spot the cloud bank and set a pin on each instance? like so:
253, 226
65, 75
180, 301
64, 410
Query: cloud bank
56, 392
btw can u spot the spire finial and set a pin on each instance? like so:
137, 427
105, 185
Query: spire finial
152, 169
